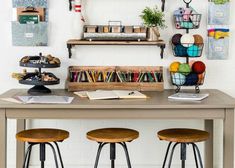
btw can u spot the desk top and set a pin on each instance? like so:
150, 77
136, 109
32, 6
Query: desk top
156, 100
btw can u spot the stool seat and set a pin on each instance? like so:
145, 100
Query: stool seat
113, 135
183, 135
42, 135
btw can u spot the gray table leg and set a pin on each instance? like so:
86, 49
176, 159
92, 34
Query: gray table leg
228, 160
3, 139
20, 146
209, 127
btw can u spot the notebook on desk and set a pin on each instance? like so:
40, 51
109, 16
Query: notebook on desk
188, 96
115, 94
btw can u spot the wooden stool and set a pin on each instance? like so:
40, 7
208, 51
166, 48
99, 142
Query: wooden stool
112, 136
42, 137
183, 137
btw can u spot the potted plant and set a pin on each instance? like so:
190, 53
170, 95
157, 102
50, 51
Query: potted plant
153, 19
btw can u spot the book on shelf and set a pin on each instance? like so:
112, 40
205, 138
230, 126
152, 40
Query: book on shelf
188, 96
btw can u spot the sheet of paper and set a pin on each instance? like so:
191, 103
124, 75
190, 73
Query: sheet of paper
102, 94
115, 94
46, 99
188, 96
12, 100
81, 93
129, 94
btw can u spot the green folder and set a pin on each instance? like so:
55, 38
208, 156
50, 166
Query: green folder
29, 19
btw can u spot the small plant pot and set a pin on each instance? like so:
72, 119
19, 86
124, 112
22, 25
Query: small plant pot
153, 34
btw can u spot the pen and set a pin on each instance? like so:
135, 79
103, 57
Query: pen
131, 93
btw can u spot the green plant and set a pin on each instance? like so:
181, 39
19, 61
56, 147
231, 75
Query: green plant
153, 17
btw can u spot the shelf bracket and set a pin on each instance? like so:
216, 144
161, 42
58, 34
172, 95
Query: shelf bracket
69, 46
70, 5
162, 50
163, 5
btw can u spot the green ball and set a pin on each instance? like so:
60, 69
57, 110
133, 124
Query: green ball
184, 69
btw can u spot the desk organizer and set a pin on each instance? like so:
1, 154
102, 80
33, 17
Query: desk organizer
30, 28
115, 77
187, 18
115, 32
186, 75
188, 46
187, 49
39, 79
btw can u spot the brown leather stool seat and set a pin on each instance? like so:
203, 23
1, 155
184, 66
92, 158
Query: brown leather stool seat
113, 136
42, 137
183, 137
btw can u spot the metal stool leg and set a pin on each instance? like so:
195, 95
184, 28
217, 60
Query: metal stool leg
42, 154
27, 156
183, 154
195, 155
58, 150
55, 157
199, 155
126, 153
172, 152
101, 145
167, 151
112, 154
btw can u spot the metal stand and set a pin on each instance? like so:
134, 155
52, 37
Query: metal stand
183, 152
39, 90
42, 154
112, 153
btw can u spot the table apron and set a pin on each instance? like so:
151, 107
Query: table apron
115, 113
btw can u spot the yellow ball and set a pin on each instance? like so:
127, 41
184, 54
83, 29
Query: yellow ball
174, 67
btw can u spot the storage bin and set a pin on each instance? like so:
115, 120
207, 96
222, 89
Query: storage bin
218, 48
218, 14
29, 34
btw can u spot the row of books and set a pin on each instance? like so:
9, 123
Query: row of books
101, 76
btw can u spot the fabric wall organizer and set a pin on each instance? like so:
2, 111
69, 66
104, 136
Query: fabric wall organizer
218, 29
30, 23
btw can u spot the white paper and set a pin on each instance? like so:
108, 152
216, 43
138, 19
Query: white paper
46, 99
12, 100
115, 94
188, 96
81, 93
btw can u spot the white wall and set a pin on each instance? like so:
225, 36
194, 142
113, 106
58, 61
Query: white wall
77, 151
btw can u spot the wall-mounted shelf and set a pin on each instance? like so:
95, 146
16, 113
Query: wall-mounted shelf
74, 42
162, 7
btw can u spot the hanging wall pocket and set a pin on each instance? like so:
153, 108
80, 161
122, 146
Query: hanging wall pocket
218, 43
30, 25
218, 12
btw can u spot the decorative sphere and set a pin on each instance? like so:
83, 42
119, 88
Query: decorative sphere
178, 79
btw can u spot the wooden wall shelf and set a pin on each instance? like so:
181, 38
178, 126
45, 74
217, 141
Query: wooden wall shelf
74, 42
162, 7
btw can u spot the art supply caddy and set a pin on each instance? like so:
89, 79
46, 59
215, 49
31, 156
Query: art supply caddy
191, 73
139, 78
38, 78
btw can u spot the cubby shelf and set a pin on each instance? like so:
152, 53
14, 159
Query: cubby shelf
74, 42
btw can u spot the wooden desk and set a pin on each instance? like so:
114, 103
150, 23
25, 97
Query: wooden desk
217, 106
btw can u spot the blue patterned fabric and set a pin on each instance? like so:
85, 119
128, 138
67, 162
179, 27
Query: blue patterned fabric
26, 3
29, 34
